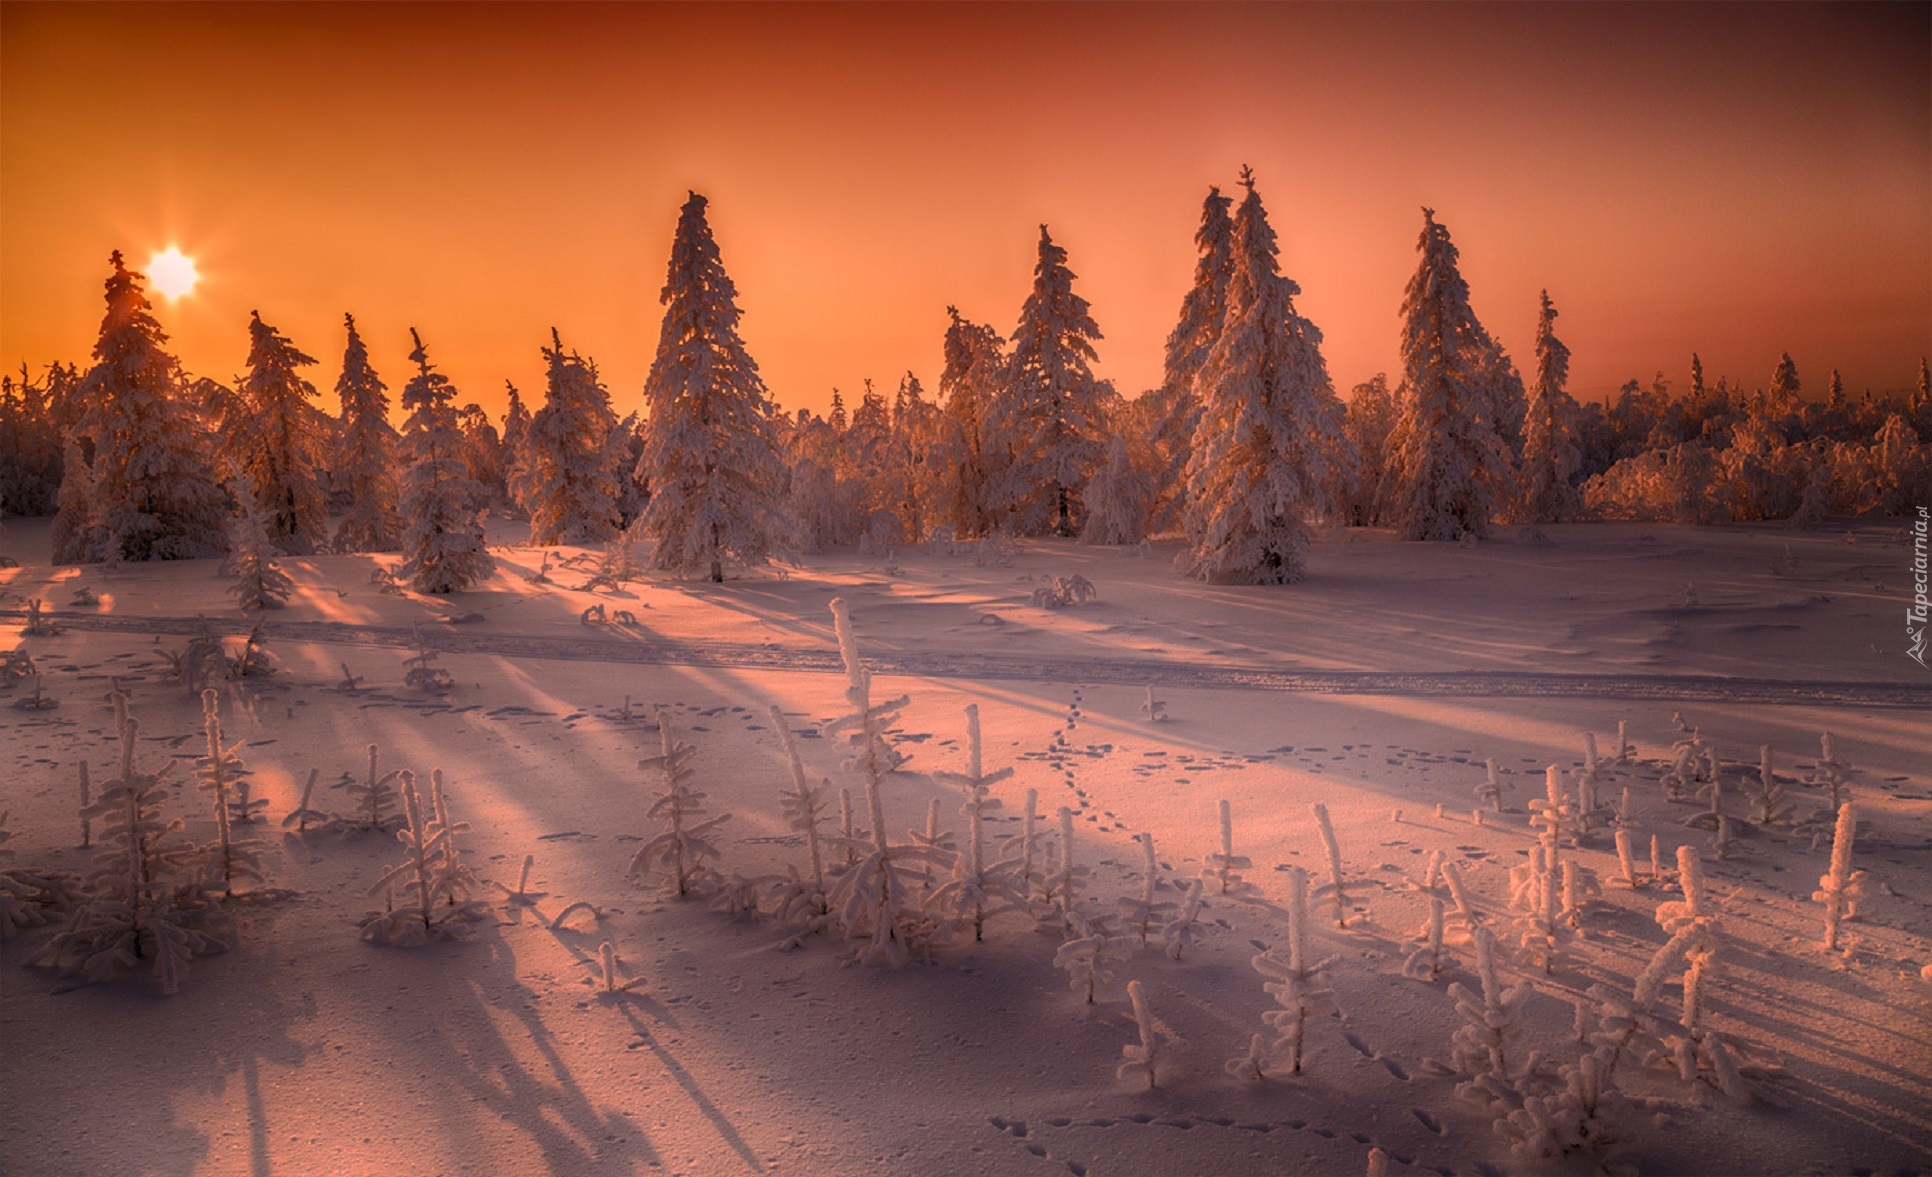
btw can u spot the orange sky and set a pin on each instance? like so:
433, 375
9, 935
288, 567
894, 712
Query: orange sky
1732, 179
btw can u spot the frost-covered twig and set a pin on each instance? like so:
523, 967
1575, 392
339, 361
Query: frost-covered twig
1223, 870
1334, 886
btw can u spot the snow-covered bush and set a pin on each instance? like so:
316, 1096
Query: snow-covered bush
1488, 1047
260, 582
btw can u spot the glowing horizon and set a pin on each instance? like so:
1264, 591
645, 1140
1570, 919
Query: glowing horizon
1738, 181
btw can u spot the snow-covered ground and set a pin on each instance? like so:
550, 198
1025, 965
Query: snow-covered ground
1378, 687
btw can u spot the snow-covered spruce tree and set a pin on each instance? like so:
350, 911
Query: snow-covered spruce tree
143, 900
976, 889
260, 582
681, 856
1203, 311
1270, 449
1119, 498
1369, 422
432, 880
73, 528
1222, 870
874, 898
961, 467
1089, 953
1450, 459
365, 455
274, 434
711, 450
1487, 1045
566, 481
442, 541
1045, 421
153, 495
1550, 456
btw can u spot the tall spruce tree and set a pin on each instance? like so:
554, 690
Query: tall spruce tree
1270, 445
1550, 456
273, 434
442, 541
1451, 462
1204, 309
568, 481
974, 358
366, 455
711, 456
1046, 421
153, 497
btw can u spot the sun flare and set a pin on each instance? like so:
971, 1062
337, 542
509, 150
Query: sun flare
173, 272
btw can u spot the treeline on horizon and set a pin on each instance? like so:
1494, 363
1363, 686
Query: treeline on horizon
1242, 449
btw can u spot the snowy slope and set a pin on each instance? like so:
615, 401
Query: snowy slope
306, 1049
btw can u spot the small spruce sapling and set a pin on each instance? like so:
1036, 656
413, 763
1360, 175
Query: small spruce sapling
798, 899
975, 890
377, 801
144, 902
1333, 888
423, 673
1295, 986
1223, 870
683, 854
1487, 1046
298, 819
1673, 915
1144, 913
1491, 790
1840, 887
1178, 935
1428, 962
1157, 1042
430, 877
1089, 953
228, 860
1831, 775
874, 897
260, 582
1774, 807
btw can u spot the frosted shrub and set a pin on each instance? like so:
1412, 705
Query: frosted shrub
1223, 870
1535, 892
1466, 913
143, 901
423, 674
431, 879
1157, 1042
1840, 887
975, 890
1295, 986
1553, 815
682, 856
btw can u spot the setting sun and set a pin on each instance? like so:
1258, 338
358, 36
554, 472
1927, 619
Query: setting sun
173, 272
